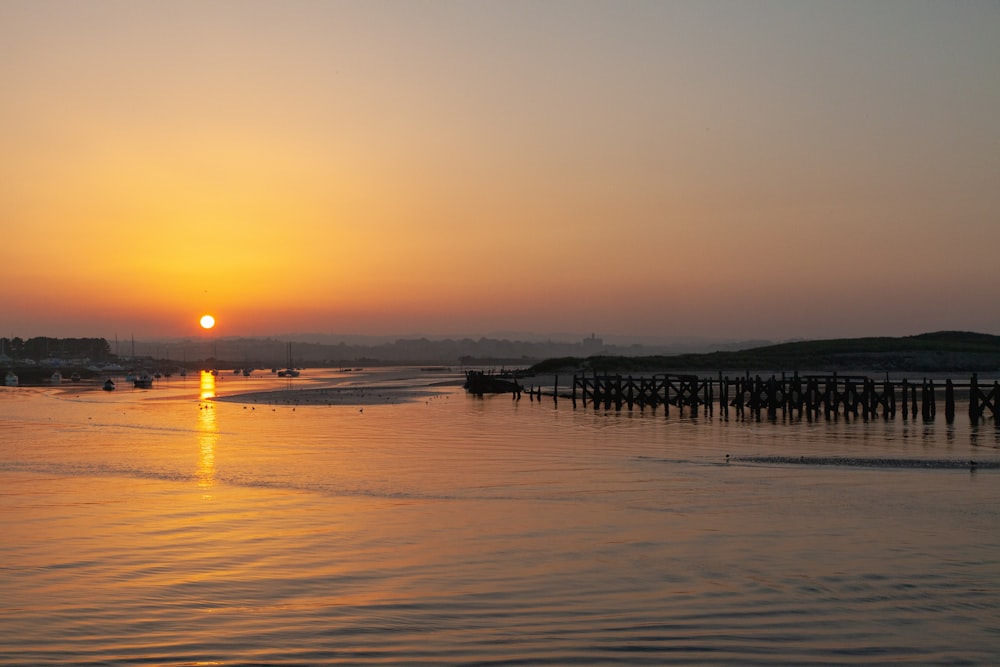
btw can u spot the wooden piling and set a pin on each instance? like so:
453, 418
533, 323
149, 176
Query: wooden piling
791, 394
974, 398
949, 401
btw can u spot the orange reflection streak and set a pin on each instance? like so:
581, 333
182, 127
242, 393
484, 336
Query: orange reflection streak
207, 386
208, 433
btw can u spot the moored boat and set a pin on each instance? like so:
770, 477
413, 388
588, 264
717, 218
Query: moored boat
289, 372
10, 380
109, 385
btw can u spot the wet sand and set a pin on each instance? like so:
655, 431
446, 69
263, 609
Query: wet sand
352, 395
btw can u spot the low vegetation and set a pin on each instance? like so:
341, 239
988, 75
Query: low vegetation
945, 351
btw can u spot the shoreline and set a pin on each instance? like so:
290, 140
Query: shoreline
330, 396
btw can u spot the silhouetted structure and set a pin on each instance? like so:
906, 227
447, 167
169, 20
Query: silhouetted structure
980, 401
808, 396
480, 383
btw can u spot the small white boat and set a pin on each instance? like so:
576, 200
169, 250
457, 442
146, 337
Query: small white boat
143, 381
56, 378
10, 380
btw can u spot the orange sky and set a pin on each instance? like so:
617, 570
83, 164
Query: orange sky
723, 169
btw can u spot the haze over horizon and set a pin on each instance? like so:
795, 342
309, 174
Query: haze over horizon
727, 170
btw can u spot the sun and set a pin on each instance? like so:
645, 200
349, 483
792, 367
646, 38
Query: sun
207, 321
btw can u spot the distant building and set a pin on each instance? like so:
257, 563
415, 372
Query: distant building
593, 344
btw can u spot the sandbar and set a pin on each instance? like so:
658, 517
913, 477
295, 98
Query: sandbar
350, 395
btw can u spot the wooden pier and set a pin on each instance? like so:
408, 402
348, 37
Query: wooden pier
797, 396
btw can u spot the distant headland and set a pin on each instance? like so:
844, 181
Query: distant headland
939, 352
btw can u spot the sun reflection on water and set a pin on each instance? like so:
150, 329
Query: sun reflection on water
207, 386
208, 432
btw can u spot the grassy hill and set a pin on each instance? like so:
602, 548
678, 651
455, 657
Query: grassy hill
943, 351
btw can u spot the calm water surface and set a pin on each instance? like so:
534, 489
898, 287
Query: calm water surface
159, 527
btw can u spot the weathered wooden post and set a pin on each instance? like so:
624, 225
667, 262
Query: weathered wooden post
666, 391
784, 403
975, 411
974, 398
869, 406
794, 399
925, 410
890, 391
949, 401
829, 396
879, 399
812, 397
927, 400
771, 388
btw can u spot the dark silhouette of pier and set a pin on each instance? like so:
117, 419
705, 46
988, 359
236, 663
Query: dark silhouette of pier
801, 396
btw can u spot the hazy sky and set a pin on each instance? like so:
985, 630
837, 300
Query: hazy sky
729, 169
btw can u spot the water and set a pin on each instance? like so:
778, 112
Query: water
157, 527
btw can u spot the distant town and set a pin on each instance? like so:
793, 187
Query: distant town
101, 355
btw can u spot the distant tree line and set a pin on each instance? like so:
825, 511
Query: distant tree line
942, 351
402, 351
43, 347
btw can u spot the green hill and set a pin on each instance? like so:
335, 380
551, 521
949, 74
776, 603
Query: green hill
943, 351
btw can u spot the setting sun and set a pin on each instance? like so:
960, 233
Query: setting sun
207, 321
